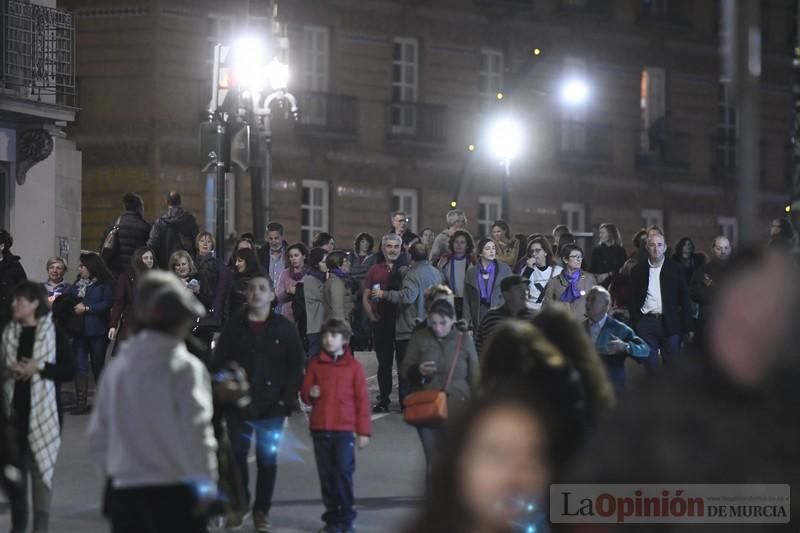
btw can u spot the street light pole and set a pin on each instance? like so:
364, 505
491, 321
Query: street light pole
221, 168
506, 206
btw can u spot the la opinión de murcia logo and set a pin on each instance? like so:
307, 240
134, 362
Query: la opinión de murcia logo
747, 503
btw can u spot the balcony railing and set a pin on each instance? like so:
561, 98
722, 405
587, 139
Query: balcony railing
412, 122
585, 142
669, 151
327, 113
38, 56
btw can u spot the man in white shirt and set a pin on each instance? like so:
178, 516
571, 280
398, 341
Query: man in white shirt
659, 302
151, 434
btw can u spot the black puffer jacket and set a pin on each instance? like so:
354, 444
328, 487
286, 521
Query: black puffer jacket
11, 274
273, 361
133, 233
175, 230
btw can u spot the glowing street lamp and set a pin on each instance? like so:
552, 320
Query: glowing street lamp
505, 139
575, 92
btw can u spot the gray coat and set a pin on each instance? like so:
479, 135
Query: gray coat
315, 303
473, 315
410, 299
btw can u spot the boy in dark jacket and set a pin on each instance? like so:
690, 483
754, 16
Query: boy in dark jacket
336, 388
268, 348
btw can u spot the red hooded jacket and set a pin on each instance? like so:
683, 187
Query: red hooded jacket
343, 403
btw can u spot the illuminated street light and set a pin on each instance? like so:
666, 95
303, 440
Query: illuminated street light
575, 92
278, 75
250, 67
505, 139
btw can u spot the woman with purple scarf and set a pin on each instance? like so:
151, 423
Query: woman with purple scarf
338, 293
482, 284
296, 269
569, 289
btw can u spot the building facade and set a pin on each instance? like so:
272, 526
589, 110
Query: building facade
393, 92
40, 167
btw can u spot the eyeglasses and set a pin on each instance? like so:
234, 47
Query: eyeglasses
536, 250
576, 257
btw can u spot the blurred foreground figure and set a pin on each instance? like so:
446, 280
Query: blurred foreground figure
494, 467
151, 433
724, 414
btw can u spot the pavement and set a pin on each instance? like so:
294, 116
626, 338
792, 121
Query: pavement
388, 482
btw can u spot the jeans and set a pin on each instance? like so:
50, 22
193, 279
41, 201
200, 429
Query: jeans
267, 435
155, 509
386, 354
314, 345
336, 464
90, 348
651, 329
430, 436
402, 384
18, 497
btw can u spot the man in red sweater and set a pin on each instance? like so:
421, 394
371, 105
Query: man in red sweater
336, 388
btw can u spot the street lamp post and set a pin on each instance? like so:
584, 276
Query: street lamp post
253, 76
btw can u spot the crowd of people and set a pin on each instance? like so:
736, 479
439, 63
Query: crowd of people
527, 338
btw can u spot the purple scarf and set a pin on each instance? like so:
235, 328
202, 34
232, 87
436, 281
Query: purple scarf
572, 292
486, 286
297, 276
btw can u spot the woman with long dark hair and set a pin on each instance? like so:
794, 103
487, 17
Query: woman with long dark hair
506, 244
482, 284
122, 320
782, 234
686, 255
455, 264
494, 467
94, 289
296, 270
245, 264
37, 357
540, 268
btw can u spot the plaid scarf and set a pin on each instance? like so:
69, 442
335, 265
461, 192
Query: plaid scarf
44, 435
82, 284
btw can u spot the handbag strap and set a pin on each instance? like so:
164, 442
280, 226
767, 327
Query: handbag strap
455, 360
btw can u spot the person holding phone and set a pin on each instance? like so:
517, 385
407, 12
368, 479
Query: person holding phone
427, 363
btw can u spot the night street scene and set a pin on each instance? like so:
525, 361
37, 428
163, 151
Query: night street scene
399, 266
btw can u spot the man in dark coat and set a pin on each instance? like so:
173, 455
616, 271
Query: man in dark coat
659, 304
132, 234
11, 274
175, 230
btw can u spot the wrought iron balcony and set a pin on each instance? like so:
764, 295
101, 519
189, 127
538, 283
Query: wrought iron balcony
38, 59
669, 151
324, 113
413, 122
584, 142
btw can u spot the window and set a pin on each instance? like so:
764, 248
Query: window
489, 208
652, 217
230, 203
313, 209
220, 30
314, 76
491, 75
573, 116
653, 107
573, 215
726, 156
407, 200
729, 227
404, 85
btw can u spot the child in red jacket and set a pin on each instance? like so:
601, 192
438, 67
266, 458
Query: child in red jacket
336, 388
